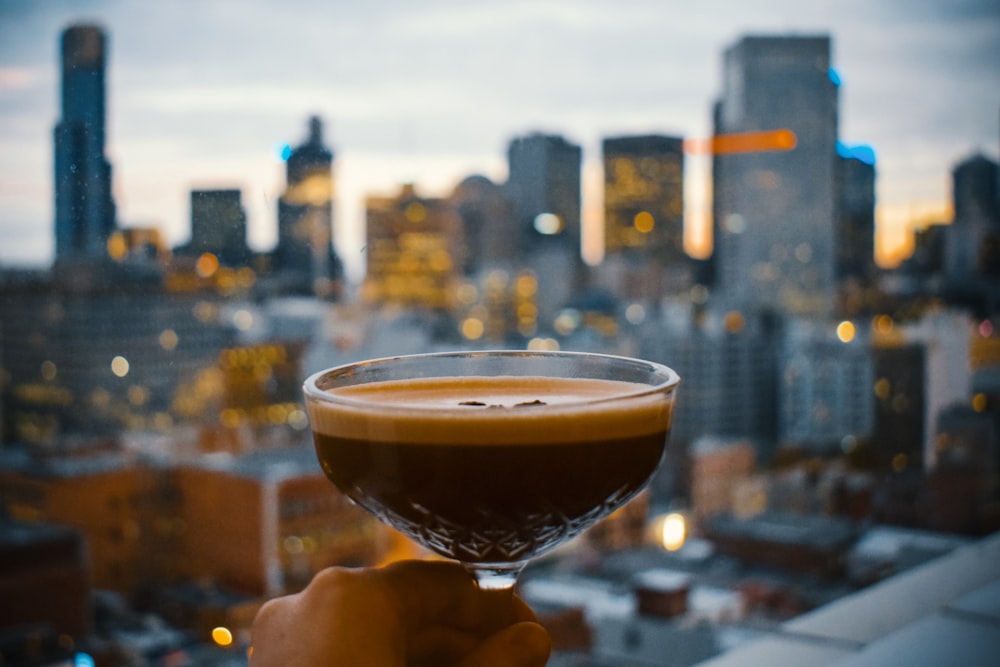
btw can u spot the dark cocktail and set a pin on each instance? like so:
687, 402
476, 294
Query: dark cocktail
492, 458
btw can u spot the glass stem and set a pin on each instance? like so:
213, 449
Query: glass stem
496, 577
497, 581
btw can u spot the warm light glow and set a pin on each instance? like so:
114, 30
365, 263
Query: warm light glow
743, 142
473, 328
415, 212
120, 366
277, 413
138, 395
230, 418
246, 277
526, 285
543, 344
896, 222
243, 319
207, 265
643, 222
733, 322
48, 370
548, 224
883, 388
566, 322
168, 339
883, 324
899, 462
315, 190
846, 331
205, 311
298, 419
222, 636
979, 402
466, 294
673, 532
117, 247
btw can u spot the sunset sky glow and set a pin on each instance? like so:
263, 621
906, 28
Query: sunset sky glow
208, 94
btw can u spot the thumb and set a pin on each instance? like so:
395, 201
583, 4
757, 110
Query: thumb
524, 644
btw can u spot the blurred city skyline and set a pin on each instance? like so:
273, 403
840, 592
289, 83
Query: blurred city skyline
209, 96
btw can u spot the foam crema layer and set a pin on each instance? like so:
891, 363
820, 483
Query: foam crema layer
491, 410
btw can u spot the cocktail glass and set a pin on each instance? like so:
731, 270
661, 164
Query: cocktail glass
492, 458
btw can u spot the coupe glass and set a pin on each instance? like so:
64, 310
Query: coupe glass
492, 458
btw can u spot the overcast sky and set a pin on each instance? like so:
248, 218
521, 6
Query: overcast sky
203, 94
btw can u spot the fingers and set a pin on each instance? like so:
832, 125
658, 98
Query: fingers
413, 612
522, 612
430, 593
523, 644
447, 615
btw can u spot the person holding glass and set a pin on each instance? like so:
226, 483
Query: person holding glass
408, 614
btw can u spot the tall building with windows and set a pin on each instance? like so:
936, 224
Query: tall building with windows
486, 225
728, 364
775, 227
219, 226
84, 206
415, 250
544, 183
304, 255
644, 214
544, 186
972, 241
856, 271
855, 236
84, 358
824, 388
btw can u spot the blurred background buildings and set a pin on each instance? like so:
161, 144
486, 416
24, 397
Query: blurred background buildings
838, 423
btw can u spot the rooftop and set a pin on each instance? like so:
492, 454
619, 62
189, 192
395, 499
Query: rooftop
945, 612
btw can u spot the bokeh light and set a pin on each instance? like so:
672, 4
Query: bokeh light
473, 328
673, 532
222, 636
643, 222
207, 265
120, 366
548, 224
846, 331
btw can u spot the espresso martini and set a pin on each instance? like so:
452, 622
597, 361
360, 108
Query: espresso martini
491, 469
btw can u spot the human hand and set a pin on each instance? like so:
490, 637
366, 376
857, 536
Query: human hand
408, 614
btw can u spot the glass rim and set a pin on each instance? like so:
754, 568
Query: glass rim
312, 390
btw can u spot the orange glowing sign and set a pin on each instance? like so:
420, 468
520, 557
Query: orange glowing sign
743, 142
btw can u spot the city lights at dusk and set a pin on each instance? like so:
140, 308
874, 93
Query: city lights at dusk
430, 93
682, 324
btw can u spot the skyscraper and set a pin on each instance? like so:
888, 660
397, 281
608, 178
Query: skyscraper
486, 223
972, 241
644, 214
824, 395
304, 255
414, 249
976, 189
219, 226
775, 243
84, 207
855, 188
544, 186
